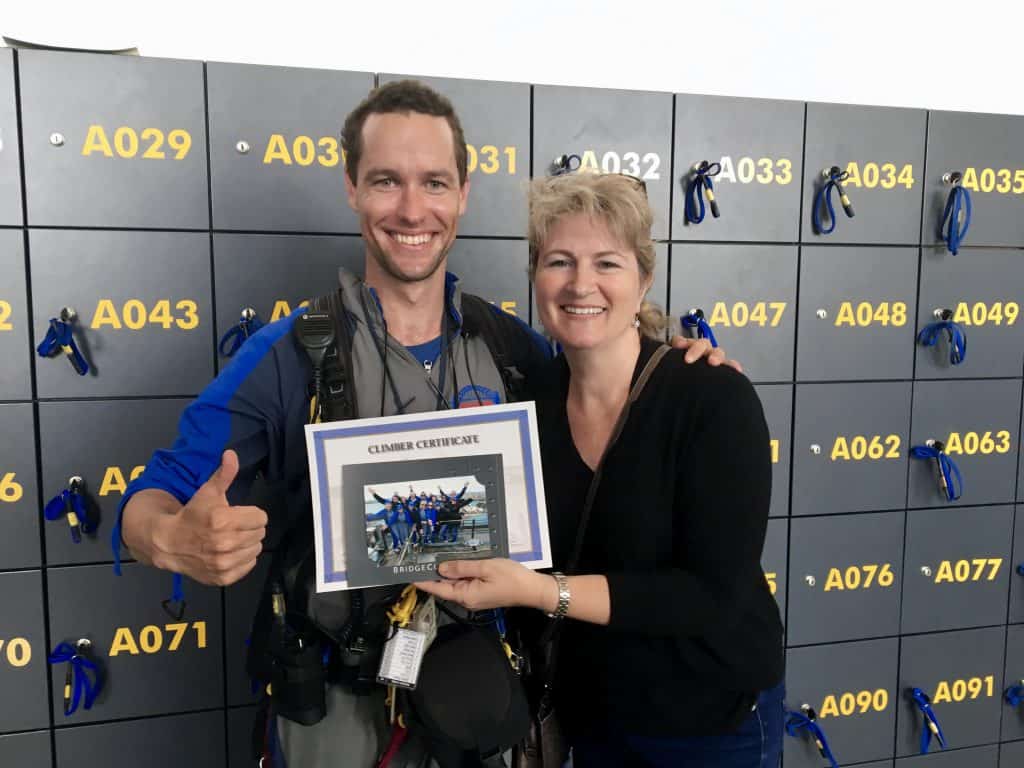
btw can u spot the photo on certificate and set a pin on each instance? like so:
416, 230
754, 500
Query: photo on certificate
409, 516
394, 496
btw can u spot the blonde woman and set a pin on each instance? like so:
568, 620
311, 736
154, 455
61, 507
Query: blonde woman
670, 648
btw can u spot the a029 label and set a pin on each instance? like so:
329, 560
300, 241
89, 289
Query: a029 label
128, 143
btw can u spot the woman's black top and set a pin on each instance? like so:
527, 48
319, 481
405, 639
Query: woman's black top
677, 528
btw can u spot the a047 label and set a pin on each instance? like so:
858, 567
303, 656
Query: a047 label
740, 314
851, 703
129, 143
15, 651
963, 571
865, 447
153, 639
136, 315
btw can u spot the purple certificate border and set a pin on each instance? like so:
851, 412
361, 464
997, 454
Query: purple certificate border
356, 431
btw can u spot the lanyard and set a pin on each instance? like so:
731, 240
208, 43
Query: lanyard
70, 504
807, 719
956, 217
950, 481
834, 180
699, 185
931, 722
695, 319
236, 335
955, 333
78, 687
60, 337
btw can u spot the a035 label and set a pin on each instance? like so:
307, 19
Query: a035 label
1003, 181
854, 703
128, 143
134, 315
153, 639
15, 651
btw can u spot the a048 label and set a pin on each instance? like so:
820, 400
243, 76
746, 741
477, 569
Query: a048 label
864, 314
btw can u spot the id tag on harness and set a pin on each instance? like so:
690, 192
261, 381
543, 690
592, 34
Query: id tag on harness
424, 619
402, 657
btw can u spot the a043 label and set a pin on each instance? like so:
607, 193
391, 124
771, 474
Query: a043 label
750, 170
860, 577
962, 571
10, 489
644, 165
1003, 181
114, 480
145, 143
955, 691
153, 639
15, 651
134, 315
5, 316
740, 314
873, 175
865, 447
981, 313
984, 443
864, 314
854, 703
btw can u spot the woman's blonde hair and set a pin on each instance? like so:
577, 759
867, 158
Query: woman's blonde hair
617, 200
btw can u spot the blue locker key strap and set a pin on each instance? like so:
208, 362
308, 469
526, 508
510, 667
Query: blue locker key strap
247, 325
931, 722
834, 180
699, 184
695, 319
807, 720
956, 217
954, 332
950, 480
78, 687
70, 505
1015, 694
59, 338
174, 606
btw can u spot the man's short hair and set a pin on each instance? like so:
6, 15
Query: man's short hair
403, 97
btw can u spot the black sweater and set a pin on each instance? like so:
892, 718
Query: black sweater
677, 528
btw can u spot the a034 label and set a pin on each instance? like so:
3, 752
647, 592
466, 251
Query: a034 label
153, 639
851, 703
873, 175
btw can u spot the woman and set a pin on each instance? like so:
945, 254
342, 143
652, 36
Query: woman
671, 652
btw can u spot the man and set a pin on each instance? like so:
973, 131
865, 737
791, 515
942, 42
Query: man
406, 178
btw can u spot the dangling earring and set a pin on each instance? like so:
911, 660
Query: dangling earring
636, 320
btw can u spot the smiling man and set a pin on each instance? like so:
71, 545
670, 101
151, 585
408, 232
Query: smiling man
414, 343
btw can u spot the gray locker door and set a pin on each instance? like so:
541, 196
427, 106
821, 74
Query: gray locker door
1017, 570
495, 270
15, 351
980, 757
23, 653
240, 725
601, 126
154, 664
26, 750
773, 561
159, 742
759, 145
276, 163
10, 161
1011, 755
240, 603
883, 150
777, 402
113, 141
495, 118
1013, 675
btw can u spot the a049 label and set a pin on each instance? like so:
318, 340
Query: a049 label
980, 313
955, 691
860, 577
135, 315
963, 571
128, 143
153, 639
11, 490
854, 703
865, 447
15, 651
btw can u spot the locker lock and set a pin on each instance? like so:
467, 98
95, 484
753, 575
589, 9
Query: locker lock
811, 581
565, 164
943, 314
822, 314
816, 449
926, 571
57, 139
242, 147
68, 314
82, 646
952, 177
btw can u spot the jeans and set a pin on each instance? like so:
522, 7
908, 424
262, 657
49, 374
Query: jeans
757, 743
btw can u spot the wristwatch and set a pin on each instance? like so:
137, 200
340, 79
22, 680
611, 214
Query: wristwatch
563, 596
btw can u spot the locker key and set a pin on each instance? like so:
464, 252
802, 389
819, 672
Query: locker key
834, 178
1015, 694
60, 337
564, 164
72, 504
807, 718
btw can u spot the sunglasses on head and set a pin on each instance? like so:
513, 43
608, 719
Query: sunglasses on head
566, 164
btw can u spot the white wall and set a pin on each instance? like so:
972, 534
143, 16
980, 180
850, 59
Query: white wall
942, 54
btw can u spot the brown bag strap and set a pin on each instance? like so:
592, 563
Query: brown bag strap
588, 503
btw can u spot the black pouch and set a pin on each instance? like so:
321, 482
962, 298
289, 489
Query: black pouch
469, 701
